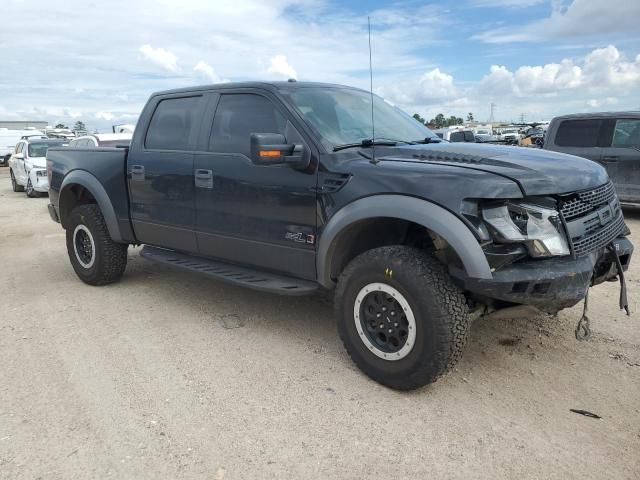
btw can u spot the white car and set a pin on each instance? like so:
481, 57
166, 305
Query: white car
9, 138
28, 165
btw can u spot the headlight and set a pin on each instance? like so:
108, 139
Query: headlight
537, 227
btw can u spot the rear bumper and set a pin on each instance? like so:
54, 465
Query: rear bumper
53, 213
551, 284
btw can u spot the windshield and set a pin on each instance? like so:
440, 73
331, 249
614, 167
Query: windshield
40, 149
343, 116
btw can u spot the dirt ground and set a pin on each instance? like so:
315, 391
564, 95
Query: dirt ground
170, 375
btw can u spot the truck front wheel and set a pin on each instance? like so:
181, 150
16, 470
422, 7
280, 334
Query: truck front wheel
95, 257
402, 320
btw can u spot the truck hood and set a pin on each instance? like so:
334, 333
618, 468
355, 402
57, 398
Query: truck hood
536, 171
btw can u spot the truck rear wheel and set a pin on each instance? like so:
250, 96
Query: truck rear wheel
402, 320
95, 257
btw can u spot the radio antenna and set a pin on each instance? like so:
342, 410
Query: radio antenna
373, 125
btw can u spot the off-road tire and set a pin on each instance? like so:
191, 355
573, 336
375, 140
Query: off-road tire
439, 307
110, 257
14, 183
29, 190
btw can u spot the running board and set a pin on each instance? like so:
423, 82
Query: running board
246, 277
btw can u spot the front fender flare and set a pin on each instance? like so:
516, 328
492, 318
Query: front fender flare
93, 185
422, 212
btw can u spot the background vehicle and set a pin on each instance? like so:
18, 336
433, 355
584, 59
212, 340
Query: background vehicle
27, 165
510, 135
609, 138
101, 140
9, 139
278, 187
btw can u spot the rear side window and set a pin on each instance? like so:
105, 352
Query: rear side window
627, 133
578, 133
172, 123
240, 115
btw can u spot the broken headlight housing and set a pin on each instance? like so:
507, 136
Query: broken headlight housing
539, 228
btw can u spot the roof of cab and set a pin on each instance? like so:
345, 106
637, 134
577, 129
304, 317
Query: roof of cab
629, 113
274, 86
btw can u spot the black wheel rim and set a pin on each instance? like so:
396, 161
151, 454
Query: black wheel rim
84, 249
29, 187
384, 321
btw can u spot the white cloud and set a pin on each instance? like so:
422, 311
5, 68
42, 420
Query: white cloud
606, 67
160, 57
280, 66
603, 102
580, 18
602, 68
207, 72
105, 116
434, 86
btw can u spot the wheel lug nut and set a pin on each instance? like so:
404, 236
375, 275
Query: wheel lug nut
382, 325
384, 309
393, 313
395, 324
390, 330
378, 315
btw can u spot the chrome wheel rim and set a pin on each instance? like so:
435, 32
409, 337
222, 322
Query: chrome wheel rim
384, 321
83, 246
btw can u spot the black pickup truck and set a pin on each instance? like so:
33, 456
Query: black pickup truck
282, 187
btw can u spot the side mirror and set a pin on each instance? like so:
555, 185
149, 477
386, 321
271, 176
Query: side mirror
19, 156
272, 149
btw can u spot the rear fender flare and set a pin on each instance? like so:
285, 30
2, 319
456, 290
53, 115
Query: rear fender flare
93, 185
422, 212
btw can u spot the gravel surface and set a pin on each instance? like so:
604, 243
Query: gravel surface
171, 375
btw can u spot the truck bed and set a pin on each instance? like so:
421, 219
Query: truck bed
106, 165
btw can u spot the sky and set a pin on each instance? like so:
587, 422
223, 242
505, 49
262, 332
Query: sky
99, 61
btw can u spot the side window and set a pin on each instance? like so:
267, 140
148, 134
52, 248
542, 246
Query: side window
172, 123
627, 133
237, 117
19, 147
578, 133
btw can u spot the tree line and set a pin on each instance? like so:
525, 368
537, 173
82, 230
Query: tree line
440, 121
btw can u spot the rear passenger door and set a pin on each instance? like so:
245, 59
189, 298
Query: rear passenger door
622, 157
263, 216
160, 172
579, 137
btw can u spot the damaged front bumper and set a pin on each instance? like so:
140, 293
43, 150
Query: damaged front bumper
551, 284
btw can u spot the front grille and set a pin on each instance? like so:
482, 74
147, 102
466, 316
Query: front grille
593, 218
601, 238
586, 201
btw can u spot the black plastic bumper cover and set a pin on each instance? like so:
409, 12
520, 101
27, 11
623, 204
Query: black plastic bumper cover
53, 213
551, 284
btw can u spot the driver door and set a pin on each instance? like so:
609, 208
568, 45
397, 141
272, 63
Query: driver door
261, 216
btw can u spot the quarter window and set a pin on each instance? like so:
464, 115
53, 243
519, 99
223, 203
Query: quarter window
627, 133
172, 123
578, 133
240, 115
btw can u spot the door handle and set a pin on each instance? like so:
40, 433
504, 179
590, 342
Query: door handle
611, 158
204, 178
137, 173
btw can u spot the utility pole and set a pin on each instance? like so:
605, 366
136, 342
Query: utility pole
492, 116
522, 118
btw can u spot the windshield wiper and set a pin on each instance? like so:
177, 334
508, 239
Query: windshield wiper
368, 142
429, 140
